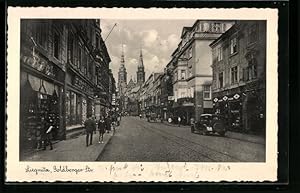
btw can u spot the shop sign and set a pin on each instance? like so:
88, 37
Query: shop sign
82, 85
230, 98
236, 96
39, 63
170, 98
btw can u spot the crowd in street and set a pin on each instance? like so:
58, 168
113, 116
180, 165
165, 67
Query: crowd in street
104, 124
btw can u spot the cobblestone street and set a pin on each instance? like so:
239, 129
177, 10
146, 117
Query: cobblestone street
138, 140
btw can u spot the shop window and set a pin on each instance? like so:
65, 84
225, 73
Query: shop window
67, 106
207, 92
252, 33
56, 43
72, 108
233, 46
234, 75
220, 53
221, 79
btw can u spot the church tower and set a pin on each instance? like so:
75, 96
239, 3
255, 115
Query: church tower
140, 74
122, 75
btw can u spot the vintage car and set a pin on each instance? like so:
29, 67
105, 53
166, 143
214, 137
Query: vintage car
153, 117
209, 124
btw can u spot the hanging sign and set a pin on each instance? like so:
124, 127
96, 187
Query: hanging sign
236, 96
216, 100
225, 98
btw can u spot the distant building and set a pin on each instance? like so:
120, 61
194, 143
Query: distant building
239, 75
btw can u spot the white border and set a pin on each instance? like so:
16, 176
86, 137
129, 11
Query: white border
153, 171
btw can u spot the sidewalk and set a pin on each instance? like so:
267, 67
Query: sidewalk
72, 150
233, 135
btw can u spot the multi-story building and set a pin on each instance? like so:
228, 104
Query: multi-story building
190, 65
166, 87
64, 74
239, 75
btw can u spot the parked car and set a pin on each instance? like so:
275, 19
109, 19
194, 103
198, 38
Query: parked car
209, 124
152, 117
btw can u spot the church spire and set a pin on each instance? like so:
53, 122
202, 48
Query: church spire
141, 64
122, 56
140, 69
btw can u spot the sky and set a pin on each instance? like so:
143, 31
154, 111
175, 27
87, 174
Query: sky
157, 39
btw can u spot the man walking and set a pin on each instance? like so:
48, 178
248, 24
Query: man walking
90, 127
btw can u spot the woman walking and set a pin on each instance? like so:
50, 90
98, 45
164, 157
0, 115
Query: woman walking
101, 128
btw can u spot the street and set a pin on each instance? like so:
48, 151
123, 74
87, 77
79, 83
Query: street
137, 140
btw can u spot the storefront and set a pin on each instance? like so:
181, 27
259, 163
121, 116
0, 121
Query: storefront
243, 111
41, 99
230, 107
79, 102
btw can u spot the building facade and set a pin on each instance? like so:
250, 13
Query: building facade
239, 75
191, 68
63, 75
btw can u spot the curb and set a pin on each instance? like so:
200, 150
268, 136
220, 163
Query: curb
104, 146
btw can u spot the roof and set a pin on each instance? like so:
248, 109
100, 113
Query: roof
224, 35
185, 30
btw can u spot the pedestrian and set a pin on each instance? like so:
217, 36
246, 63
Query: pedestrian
46, 134
101, 128
179, 121
108, 123
90, 127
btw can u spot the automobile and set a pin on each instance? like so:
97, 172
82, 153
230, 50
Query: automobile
209, 124
152, 117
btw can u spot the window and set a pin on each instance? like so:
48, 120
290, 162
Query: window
220, 53
234, 75
252, 68
206, 92
221, 79
190, 72
252, 33
233, 46
201, 27
56, 46
190, 53
41, 34
79, 62
182, 94
224, 27
216, 27
71, 49
97, 42
182, 75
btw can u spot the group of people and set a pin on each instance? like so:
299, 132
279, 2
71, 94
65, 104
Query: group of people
104, 124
